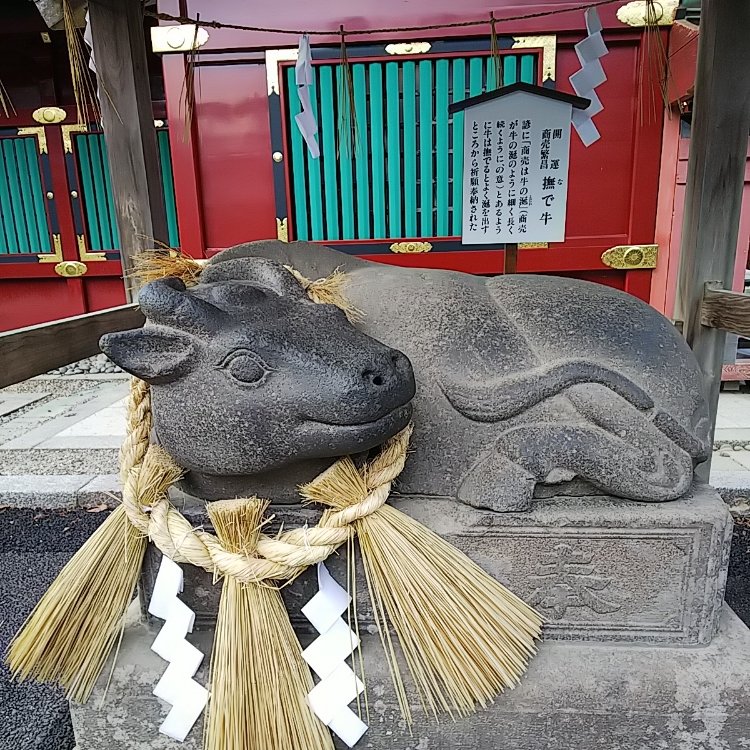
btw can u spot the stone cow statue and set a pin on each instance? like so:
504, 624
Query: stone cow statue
520, 379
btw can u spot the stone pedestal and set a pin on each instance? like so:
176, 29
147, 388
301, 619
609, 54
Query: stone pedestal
639, 652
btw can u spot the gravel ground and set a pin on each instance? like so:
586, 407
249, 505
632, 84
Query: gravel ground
98, 364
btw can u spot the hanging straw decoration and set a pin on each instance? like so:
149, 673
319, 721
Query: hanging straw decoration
495, 53
6, 103
347, 130
654, 70
187, 95
84, 90
71, 631
464, 636
259, 681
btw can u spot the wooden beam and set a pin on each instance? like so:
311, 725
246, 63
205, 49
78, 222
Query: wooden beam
32, 351
718, 147
128, 121
727, 310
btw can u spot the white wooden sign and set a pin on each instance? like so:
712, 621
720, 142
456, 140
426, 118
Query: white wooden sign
515, 181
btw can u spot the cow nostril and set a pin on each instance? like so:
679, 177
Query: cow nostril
373, 377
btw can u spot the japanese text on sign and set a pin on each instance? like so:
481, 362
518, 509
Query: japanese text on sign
516, 170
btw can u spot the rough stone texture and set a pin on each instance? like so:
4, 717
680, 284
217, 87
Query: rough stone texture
576, 696
34, 545
521, 379
596, 568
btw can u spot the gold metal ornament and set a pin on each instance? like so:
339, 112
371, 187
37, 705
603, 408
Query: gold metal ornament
282, 233
548, 45
411, 247
626, 257
85, 254
56, 255
49, 115
40, 136
71, 269
408, 48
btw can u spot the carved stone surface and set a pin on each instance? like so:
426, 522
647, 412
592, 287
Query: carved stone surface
595, 568
575, 696
521, 380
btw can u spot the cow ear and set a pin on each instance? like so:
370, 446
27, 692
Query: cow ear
157, 355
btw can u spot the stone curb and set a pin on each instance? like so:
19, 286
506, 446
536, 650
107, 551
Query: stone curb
59, 491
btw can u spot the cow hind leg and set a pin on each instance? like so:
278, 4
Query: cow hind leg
616, 447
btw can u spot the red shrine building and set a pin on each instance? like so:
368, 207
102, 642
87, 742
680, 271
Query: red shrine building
239, 169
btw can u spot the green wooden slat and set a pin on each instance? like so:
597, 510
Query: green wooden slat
441, 146
476, 76
27, 199
167, 179
457, 142
377, 151
16, 202
299, 187
510, 73
346, 191
426, 203
392, 98
89, 195
360, 157
315, 187
328, 151
37, 194
409, 95
110, 207
5, 231
12, 242
100, 175
527, 68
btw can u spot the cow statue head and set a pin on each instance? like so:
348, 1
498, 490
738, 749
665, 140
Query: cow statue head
249, 376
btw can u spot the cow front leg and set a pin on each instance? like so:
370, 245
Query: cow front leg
496, 483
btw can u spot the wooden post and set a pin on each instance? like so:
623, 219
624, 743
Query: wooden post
510, 257
718, 147
128, 121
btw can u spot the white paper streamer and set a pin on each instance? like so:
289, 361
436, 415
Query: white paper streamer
303, 75
176, 686
590, 51
327, 656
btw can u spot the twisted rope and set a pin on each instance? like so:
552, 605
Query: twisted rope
148, 471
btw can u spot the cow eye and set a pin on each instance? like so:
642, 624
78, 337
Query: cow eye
245, 367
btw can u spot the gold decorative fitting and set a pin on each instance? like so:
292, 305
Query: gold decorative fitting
533, 245
548, 45
46, 38
158, 123
408, 48
180, 38
85, 254
411, 247
49, 115
626, 257
282, 233
56, 255
70, 269
277, 156
40, 135
636, 13
67, 137
273, 58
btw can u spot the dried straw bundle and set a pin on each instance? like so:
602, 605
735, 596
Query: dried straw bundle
71, 631
463, 635
151, 265
259, 681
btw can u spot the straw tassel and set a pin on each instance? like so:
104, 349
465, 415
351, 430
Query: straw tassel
71, 631
259, 681
464, 636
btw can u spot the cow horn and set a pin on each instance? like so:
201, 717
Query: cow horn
166, 301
